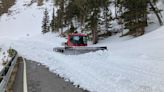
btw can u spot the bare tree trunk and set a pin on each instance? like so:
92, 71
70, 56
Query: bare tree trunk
106, 20
116, 9
156, 13
94, 35
140, 31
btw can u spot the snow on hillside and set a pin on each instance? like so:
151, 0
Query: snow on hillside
134, 65
24, 20
129, 65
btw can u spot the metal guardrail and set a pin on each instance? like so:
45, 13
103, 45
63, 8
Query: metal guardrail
6, 72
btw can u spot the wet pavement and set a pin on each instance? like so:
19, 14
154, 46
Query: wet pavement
40, 79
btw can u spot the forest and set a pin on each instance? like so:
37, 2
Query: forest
96, 18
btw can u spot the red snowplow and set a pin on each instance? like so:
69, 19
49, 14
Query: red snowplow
76, 40
77, 44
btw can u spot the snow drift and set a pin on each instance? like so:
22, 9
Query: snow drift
129, 65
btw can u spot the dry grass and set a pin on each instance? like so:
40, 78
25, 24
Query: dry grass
40, 2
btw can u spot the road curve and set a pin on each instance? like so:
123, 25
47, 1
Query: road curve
40, 79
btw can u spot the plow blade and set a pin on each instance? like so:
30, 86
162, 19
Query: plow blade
77, 50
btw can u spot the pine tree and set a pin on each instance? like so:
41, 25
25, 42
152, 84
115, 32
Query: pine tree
45, 22
94, 7
107, 15
60, 14
135, 15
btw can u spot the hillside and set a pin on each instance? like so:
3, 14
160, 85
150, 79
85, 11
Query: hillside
133, 65
129, 64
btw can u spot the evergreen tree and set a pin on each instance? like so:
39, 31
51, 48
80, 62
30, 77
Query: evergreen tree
107, 16
135, 15
60, 14
94, 7
45, 22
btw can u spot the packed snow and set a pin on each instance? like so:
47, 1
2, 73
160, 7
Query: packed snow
129, 64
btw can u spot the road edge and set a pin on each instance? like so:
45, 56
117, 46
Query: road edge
24, 77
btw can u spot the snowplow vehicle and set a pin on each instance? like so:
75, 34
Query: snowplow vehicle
77, 44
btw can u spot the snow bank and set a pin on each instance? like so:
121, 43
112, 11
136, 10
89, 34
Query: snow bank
23, 20
134, 65
129, 65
